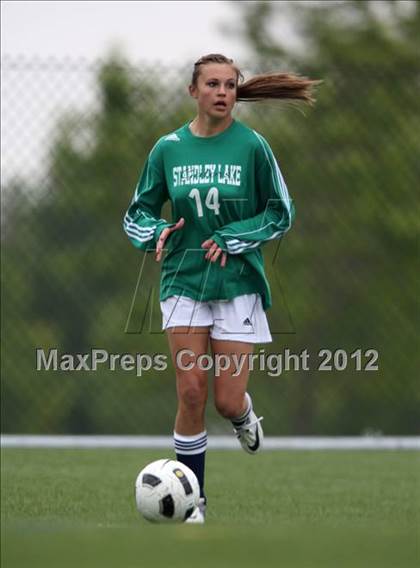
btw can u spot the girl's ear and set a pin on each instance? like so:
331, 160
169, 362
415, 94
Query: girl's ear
192, 89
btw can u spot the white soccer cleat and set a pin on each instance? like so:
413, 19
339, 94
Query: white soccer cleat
251, 434
198, 516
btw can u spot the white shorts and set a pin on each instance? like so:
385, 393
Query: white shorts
240, 319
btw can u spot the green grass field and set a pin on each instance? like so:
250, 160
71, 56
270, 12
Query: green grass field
65, 508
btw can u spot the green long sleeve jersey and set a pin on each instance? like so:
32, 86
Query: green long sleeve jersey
229, 188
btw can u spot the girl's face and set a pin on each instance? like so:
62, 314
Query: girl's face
215, 90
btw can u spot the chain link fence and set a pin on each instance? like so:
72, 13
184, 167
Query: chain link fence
75, 138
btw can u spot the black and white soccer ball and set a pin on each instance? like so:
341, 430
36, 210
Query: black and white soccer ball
167, 491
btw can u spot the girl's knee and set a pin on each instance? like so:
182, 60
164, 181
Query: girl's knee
228, 407
192, 391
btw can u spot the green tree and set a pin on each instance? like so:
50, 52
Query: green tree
69, 269
348, 268
343, 278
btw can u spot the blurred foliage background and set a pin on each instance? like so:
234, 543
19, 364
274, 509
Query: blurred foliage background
343, 278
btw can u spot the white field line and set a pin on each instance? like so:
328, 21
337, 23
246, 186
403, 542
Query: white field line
215, 442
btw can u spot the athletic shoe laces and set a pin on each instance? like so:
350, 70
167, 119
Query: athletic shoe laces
248, 426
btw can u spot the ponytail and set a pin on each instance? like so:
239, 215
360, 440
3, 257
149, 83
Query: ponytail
285, 86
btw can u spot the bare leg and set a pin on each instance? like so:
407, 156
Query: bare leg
231, 399
192, 384
190, 436
229, 391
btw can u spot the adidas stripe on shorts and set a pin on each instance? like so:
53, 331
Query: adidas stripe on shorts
240, 319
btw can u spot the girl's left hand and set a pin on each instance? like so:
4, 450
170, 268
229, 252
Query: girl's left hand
214, 251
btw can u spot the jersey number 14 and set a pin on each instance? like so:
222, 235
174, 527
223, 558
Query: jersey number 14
211, 201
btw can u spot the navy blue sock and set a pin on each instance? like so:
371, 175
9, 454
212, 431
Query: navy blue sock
191, 451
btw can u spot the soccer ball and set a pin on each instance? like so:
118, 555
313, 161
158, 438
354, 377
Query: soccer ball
167, 491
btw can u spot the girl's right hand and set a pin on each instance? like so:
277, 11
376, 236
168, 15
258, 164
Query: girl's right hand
164, 235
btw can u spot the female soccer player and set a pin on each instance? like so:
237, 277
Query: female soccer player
228, 197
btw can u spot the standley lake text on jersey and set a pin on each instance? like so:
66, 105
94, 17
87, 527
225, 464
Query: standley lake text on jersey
194, 174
